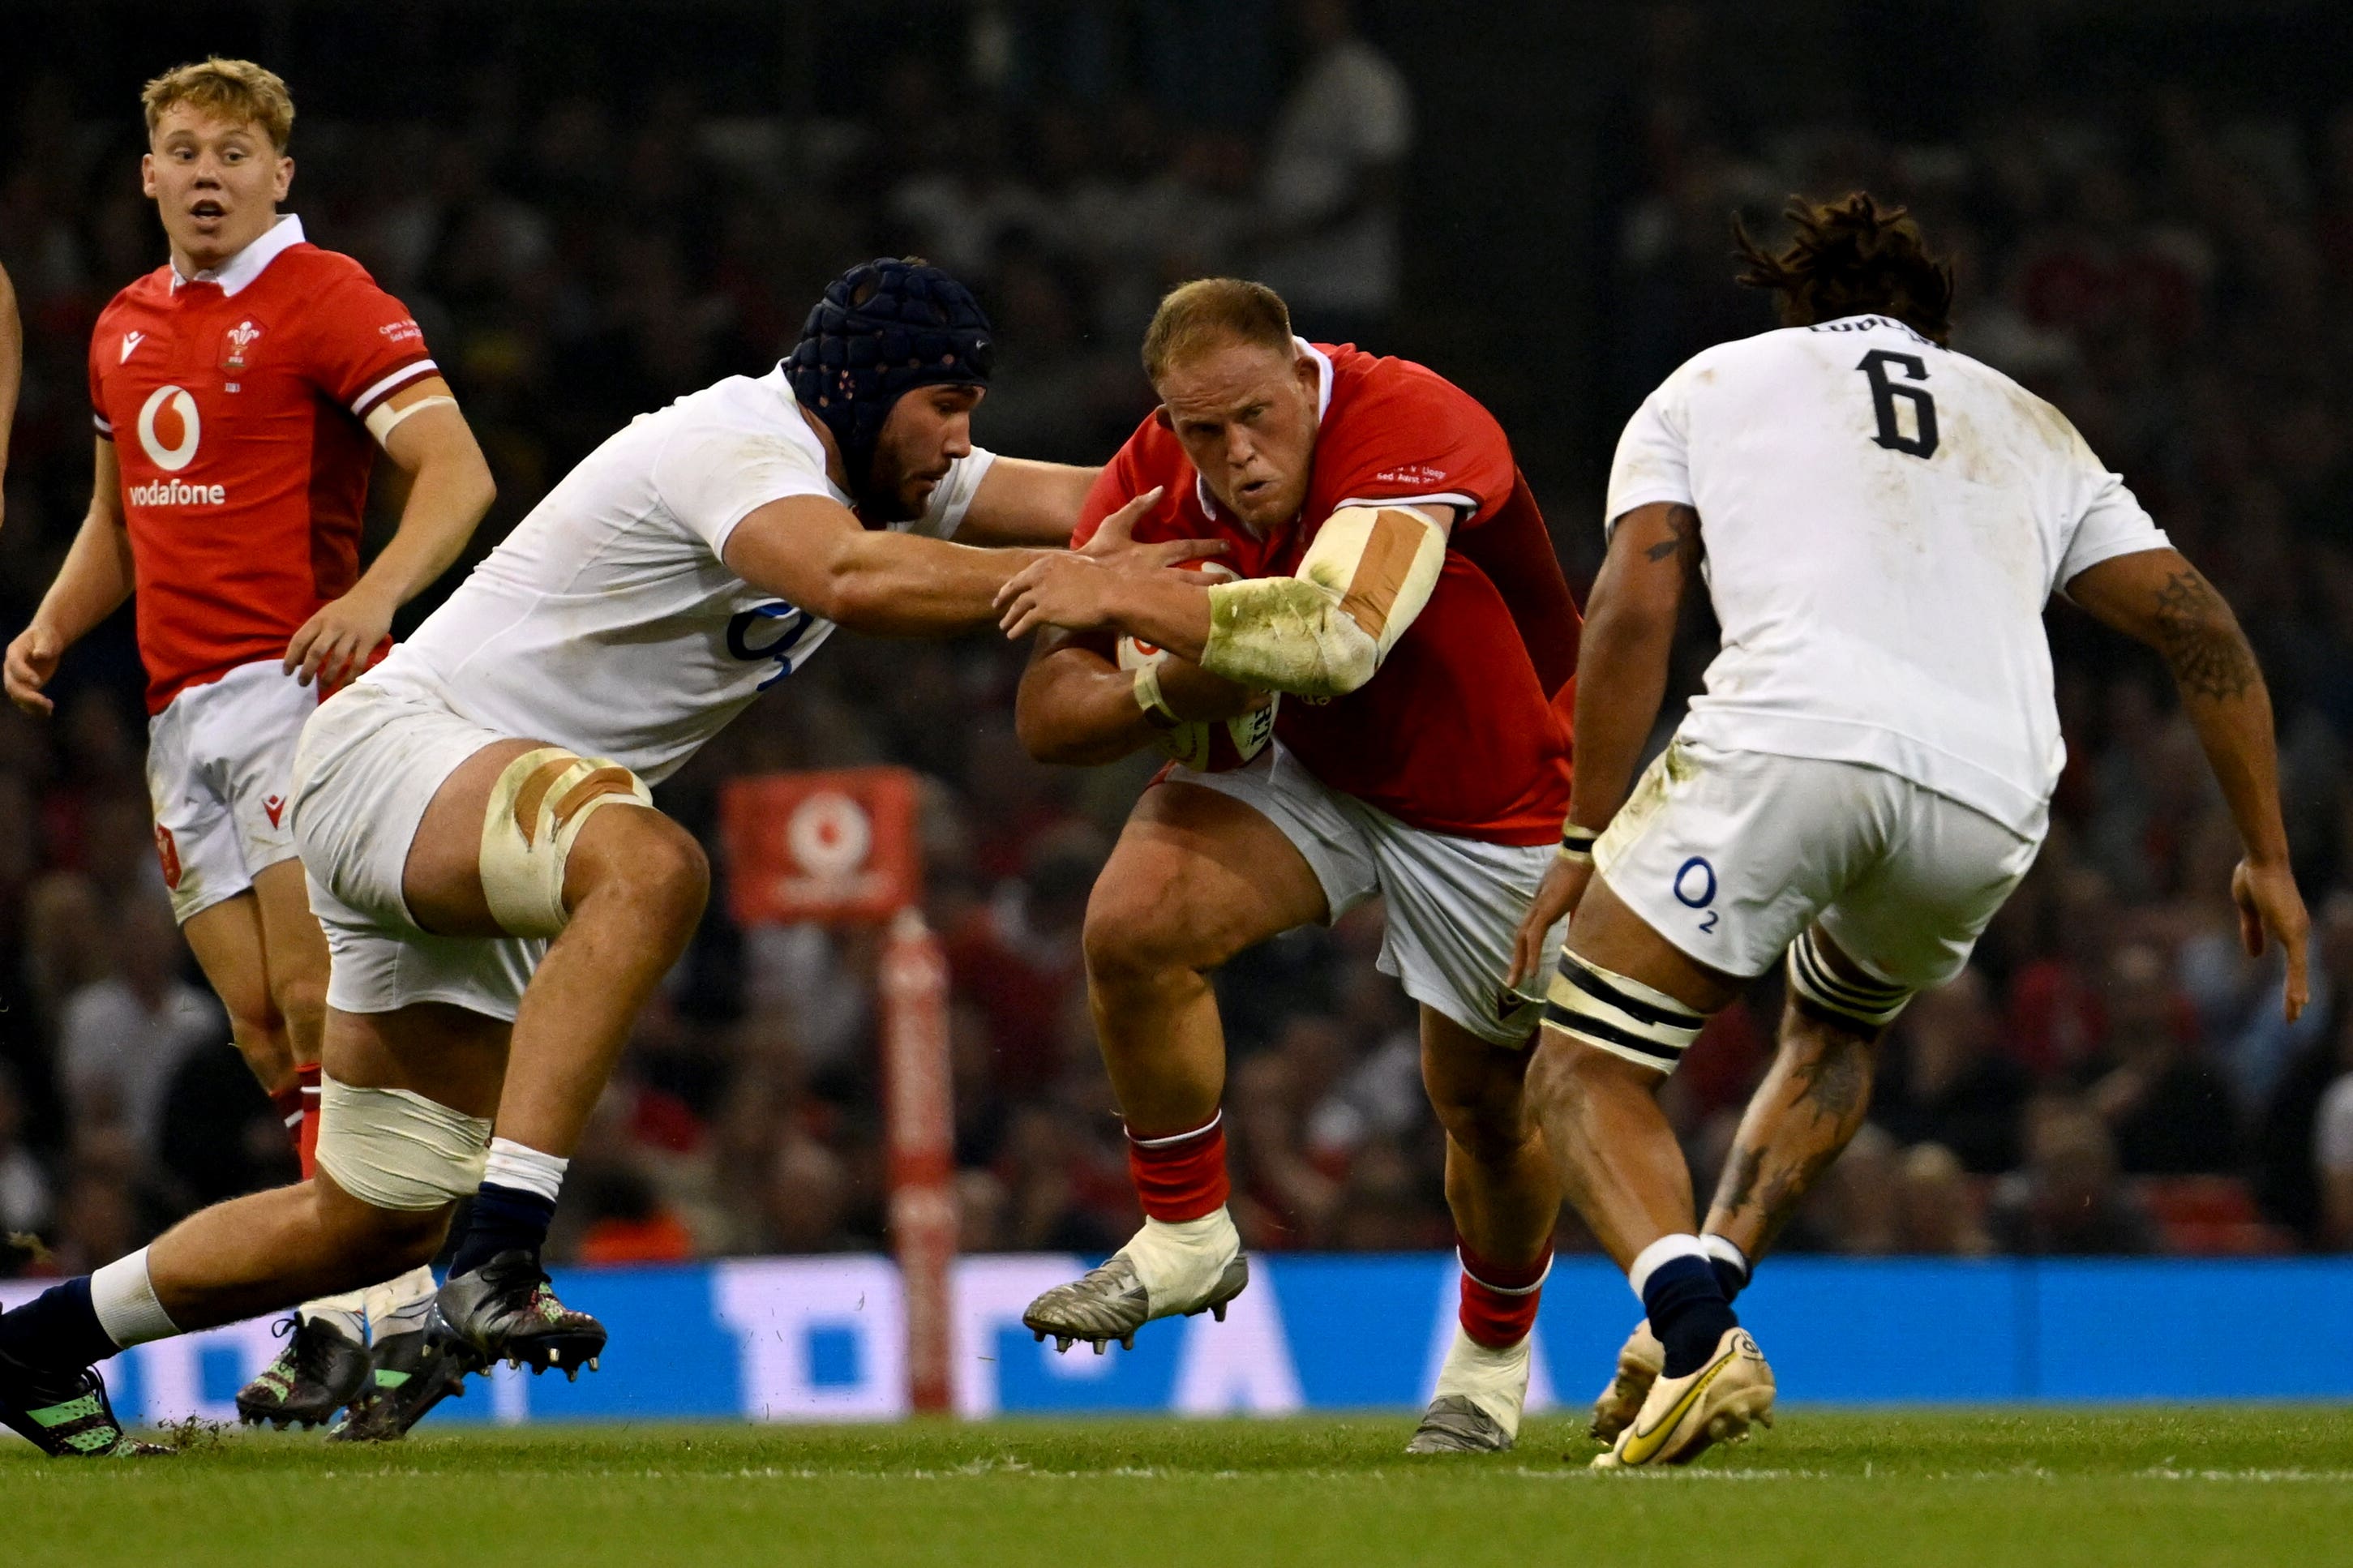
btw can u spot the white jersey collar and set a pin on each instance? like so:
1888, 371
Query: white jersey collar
246, 265
1322, 406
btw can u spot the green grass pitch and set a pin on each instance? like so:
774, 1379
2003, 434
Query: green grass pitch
2139, 1487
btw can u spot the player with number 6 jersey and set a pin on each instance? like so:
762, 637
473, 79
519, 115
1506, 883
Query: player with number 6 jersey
1865, 779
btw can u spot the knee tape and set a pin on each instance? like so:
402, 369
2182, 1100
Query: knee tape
1866, 1007
537, 809
1621, 1016
395, 1149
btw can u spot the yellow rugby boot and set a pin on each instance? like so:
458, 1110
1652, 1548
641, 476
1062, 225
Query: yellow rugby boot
1639, 1360
1684, 1415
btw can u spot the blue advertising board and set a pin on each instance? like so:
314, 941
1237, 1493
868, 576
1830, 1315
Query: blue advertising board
821, 1339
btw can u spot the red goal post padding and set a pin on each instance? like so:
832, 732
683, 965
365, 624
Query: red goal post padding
842, 848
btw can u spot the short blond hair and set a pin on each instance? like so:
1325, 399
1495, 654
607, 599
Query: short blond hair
1210, 311
238, 92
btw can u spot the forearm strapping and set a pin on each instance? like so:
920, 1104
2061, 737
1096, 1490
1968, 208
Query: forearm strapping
1287, 634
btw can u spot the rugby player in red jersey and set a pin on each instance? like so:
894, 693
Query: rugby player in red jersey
1401, 593
241, 392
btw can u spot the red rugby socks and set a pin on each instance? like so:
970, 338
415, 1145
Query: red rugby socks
1499, 1300
1181, 1176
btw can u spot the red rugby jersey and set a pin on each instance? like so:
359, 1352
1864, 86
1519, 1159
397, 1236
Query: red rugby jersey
234, 402
1465, 729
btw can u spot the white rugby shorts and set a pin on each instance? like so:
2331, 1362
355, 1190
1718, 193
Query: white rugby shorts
367, 767
1731, 854
1454, 905
220, 771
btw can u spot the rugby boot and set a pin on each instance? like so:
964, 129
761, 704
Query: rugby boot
67, 1417
1682, 1417
411, 1376
1163, 1271
506, 1310
318, 1373
1639, 1360
1476, 1406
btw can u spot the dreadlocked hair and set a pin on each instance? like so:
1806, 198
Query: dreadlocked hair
1851, 257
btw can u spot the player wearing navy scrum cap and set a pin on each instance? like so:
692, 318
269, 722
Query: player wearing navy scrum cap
494, 927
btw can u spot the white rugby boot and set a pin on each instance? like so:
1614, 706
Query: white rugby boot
1166, 1270
1682, 1416
1639, 1360
1475, 1408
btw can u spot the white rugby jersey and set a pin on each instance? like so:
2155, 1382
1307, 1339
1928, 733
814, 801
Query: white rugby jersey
1884, 521
607, 622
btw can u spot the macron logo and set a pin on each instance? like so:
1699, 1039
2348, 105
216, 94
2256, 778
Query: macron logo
130, 340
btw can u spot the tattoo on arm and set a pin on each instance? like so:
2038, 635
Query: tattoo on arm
2201, 641
1682, 545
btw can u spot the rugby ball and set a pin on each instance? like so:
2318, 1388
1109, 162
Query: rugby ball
1208, 745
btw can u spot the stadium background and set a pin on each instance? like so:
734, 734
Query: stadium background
594, 208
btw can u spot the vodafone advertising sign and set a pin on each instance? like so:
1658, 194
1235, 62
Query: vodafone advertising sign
838, 846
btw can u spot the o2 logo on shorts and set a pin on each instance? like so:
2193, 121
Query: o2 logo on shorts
1694, 888
773, 631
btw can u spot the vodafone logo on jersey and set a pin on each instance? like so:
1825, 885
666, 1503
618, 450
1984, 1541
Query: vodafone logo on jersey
180, 407
183, 407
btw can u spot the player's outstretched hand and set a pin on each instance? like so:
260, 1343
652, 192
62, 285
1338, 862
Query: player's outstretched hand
2269, 906
1114, 544
32, 660
1559, 894
334, 644
1073, 592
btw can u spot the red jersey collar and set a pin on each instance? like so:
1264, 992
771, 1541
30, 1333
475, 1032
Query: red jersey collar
1322, 406
246, 265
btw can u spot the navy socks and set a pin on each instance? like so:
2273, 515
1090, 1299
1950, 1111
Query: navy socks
502, 1219
56, 1332
1688, 1312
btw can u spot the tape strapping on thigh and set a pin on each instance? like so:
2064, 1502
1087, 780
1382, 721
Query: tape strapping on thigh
536, 810
1618, 1014
1864, 1005
394, 1149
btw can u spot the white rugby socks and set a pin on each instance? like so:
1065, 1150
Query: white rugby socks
125, 1299
399, 1305
524, 1169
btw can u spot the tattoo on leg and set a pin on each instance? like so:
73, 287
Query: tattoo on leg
1786, 1192
1739, 1184
1833, 1082
2201, 641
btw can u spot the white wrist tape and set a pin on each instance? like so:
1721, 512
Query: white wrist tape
536, 810
383, 418
1149, 698
1325, 631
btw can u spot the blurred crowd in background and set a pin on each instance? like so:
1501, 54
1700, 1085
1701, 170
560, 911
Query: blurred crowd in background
2111, 1076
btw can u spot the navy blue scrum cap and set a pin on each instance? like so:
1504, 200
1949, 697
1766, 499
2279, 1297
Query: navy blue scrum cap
881, 330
